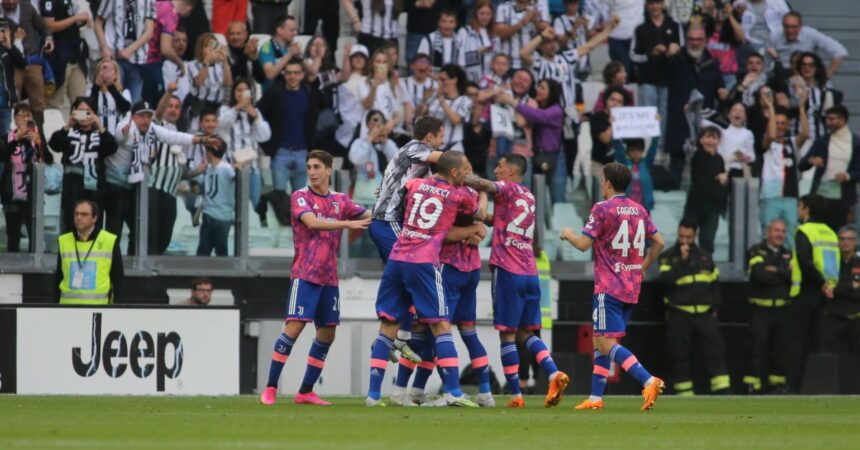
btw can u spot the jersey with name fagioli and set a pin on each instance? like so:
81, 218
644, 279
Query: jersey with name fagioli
461, 255
513, 229
316, 251
619, 228
432, 205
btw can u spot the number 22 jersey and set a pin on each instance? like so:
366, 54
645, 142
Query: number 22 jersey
619, 228
432, 205
513, 229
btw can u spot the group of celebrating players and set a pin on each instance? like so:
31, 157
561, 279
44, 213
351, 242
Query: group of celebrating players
427, 227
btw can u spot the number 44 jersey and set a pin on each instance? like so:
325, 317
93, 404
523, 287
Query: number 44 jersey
513, 229
432, 205
620, 229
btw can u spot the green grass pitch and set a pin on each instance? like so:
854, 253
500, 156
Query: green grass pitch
241, 422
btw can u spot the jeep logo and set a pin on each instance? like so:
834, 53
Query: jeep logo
115, 351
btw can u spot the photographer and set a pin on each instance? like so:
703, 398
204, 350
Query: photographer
85, 143
18, 152
370, 156
209, 75
11, 59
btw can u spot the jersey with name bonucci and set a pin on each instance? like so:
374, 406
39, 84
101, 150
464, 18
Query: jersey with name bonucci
316, 250
513, 229
432, 205
619, 228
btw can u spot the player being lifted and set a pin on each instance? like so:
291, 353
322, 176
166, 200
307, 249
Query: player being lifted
318, 216
618, 229
516, 287
412, 276
411, 161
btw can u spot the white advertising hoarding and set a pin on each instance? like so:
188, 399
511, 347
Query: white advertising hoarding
119, 351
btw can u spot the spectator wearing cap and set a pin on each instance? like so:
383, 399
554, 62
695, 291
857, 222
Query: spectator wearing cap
219, 201
136, 138
84, 143
348, 98
692, 69
836, 159
797, 38
761, 19
290, 107
656, 40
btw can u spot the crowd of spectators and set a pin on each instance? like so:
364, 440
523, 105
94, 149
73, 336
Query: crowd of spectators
152, 86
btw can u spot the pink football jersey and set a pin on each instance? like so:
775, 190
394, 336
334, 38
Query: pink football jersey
513, 229
619, 228
432, 205
460, 255
316, 251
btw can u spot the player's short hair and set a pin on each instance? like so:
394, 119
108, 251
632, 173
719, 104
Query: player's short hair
321, 155
689, 222
518, 161
196, 282
449, 161
426, 125
94, 207
816, 204
617, 175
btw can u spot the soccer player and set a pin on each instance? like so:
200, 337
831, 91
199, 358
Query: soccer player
516, 286
410, 161
461, 273
318, 216
412, 272
618, 229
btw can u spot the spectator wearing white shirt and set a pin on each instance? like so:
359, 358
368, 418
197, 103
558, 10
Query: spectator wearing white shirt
737, 145
380, 90
795, 37
348, 101
243, 128
477, 42
171, 72
443, 45
761, 19
370, 156
631, 14
451, 106
517, 22
419, 87
573, 29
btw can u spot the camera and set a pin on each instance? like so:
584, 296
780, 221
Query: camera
81, 115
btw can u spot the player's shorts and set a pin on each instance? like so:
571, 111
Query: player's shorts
516, 301
461, 294
610, 316
405, 284
384, 234
311, 302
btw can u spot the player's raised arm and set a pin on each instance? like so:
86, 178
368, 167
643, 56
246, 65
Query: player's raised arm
580, 242
480, 184
657, 244
316, 224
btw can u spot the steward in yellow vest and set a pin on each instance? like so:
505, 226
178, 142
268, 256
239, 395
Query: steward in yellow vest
89, 263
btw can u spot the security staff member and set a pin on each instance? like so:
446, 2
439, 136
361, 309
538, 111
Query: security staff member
840, 326
692, 296
769, 266
89, 264
815, 271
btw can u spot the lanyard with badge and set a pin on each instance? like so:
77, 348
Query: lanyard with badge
84, 273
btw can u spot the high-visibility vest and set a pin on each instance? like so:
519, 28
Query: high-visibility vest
97, 290
825, 255
544, 269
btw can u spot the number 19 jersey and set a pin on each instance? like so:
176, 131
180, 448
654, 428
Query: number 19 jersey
619, 228
513, 229
432, 205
